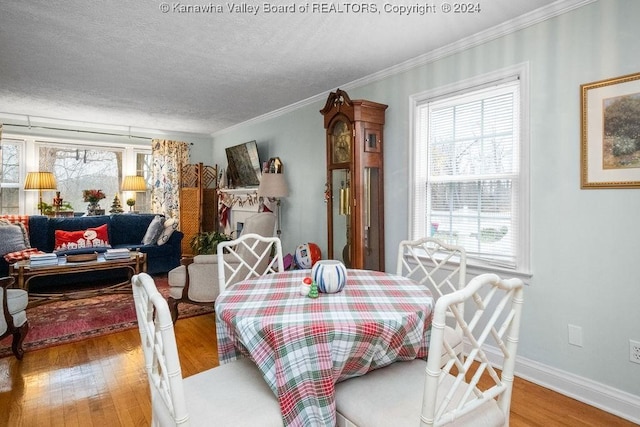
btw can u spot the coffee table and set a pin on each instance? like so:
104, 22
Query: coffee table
23, 273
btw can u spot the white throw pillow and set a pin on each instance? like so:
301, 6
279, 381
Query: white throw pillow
153, 231
170, 225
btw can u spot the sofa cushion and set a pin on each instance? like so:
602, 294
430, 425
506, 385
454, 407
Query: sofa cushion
128, 228
170, 225
73, 224
39, 232
153, 231
91, 237
18, 219
12, 238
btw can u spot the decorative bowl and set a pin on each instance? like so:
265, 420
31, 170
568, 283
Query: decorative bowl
330, 275
82, 257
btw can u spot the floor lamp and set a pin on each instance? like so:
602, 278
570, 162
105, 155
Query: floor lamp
273, 187
40, 181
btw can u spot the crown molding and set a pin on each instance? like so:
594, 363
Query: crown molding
13, 122
534, 17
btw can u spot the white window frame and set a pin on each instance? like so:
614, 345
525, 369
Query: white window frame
30, 158
18, 141
520, 73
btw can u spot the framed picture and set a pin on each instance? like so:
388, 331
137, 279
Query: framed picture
610, 133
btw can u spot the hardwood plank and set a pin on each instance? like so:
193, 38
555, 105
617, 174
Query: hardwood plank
101, 382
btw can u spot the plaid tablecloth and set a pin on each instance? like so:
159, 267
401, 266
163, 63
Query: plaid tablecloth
303, 346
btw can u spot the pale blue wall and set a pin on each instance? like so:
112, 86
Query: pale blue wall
298, 139
585, 243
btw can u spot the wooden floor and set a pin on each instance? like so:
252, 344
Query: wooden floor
101, 382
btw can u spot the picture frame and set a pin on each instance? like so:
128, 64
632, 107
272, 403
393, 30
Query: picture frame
610, 133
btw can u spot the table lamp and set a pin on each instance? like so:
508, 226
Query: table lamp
40, 181
273, 187
135, 184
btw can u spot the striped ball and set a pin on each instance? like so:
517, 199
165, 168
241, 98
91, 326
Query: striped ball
330, 275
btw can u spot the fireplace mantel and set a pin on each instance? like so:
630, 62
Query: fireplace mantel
237, 204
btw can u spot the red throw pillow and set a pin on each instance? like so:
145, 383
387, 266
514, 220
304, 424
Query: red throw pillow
89, 238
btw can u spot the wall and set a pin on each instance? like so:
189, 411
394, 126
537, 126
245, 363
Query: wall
298, 139
584, 242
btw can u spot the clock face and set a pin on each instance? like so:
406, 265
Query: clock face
341, 143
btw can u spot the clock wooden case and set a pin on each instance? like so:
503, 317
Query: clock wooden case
355, 190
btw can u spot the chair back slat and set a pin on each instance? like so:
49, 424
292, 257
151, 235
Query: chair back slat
465, 384
160, 353
439, 266
250, 255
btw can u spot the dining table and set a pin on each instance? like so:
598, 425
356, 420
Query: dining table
303, 346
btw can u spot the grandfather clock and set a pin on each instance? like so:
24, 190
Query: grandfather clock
355, 190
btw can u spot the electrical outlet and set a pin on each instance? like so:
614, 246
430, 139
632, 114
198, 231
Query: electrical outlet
634, 351
575, 335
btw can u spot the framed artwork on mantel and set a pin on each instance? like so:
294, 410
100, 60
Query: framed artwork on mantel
610, 133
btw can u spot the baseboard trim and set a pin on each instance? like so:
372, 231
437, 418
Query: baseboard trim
598, 395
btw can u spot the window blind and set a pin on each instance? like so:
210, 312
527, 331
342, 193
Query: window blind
466, 172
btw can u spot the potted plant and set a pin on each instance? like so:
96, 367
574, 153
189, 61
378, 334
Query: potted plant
206, 243
50, 210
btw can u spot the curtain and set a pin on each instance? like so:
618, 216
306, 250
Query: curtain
167, 158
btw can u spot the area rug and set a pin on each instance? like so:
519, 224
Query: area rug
63, 322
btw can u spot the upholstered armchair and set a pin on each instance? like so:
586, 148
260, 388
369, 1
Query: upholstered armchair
196, 281
14, 315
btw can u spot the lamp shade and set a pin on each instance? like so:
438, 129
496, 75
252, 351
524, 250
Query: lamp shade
134, 183
40, 181
273, 185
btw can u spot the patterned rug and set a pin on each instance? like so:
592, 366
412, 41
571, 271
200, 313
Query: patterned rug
63, 322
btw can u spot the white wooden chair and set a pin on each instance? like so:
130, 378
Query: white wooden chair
196, 280
443, 269
469, 392
250, 255
233, 394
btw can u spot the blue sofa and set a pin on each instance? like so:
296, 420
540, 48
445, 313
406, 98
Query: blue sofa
125, 231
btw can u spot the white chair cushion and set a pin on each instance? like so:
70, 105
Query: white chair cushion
17, 300
177, 278
203, 283
394, 397
222, 393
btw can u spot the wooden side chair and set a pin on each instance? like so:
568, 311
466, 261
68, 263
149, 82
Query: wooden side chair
470, 391
233, 394
443, 269
14, 315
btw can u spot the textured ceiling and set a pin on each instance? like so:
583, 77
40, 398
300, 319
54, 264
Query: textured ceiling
130, 63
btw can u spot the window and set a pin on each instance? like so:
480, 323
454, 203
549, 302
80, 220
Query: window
143, 168
77, 166
77, 169
469, 178
10, 176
